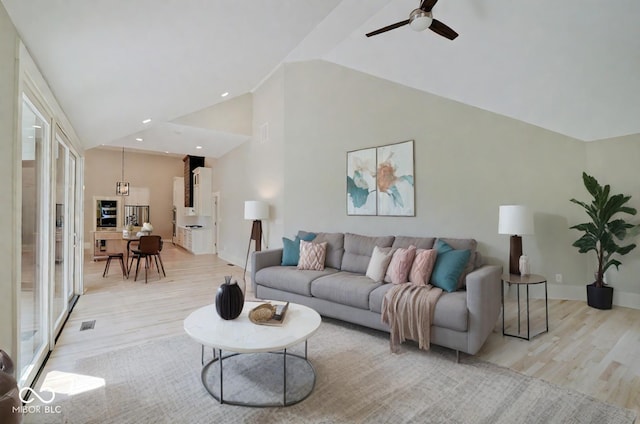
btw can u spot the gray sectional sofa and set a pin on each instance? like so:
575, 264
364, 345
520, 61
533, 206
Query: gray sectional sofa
463, 319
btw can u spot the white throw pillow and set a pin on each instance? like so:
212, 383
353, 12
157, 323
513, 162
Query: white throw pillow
378, 263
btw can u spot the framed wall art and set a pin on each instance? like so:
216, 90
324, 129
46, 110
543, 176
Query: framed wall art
395, 180
361, 182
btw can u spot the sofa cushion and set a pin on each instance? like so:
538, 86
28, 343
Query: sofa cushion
291, 249
358, 250
290, 278
418, 242
451, 309
449, 267
335, 246
462, 244
400, 265
312, 255
345, 288
377, 268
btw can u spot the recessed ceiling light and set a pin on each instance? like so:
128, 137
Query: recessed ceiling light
198, 147
138, 139
225, 94
146, 121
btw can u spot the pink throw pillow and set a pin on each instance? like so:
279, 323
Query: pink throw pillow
398, 271
312, 255
422, 267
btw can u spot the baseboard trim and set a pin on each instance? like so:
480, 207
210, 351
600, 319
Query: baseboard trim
566, 292
233, 260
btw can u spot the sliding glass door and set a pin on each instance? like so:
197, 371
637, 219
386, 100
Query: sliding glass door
60, 236
74, 250
49, 186
64, 234
51, 251
33, 307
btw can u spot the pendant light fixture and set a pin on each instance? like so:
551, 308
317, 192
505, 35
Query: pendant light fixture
122, 186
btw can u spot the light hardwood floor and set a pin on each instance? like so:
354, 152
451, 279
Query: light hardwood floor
591, 351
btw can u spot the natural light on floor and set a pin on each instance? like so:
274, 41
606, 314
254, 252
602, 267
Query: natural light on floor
71, 384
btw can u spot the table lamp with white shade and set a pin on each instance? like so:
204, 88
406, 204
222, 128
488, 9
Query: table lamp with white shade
515, 220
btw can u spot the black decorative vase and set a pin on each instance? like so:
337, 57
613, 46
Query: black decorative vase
229, 299
599, 297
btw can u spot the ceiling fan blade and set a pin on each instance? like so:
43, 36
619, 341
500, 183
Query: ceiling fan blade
388, 28
427, 5
441, 29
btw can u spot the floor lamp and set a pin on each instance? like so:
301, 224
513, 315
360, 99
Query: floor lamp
256, 211
515, 220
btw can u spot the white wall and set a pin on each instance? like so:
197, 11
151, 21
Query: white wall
467, 162
253, 171
9, 212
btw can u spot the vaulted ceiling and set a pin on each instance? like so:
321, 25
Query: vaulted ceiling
570, 66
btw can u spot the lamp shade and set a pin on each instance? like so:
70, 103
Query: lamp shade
256, 210
515, 220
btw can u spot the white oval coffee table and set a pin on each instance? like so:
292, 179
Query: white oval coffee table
242, 337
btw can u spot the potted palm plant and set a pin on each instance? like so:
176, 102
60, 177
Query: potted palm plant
601, 235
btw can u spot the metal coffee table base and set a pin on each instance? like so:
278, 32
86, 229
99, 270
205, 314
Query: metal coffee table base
216, 388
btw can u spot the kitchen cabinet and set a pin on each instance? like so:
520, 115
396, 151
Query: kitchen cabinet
201, 241
202, 196
190, 163
179, 236
195, 240
187, 240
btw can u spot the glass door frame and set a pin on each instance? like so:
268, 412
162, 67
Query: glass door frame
43, 251
59, 147
72, 250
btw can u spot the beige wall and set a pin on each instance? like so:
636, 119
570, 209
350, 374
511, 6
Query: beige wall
9, 213
468, 163
103, 167
615, 162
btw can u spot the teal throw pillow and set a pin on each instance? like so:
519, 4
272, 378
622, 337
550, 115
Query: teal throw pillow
450, 264
291, 249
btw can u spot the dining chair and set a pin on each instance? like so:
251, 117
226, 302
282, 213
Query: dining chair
131, 246
148, 248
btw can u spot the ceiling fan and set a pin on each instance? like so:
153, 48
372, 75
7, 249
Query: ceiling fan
419, 20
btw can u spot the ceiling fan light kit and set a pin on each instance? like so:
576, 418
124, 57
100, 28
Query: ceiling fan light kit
419, 20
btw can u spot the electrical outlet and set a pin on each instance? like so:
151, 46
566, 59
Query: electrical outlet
558, 278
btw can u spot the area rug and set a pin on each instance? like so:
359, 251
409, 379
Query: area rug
358, 381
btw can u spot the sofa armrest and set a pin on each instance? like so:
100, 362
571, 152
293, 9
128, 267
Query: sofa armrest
484, 303
264, 259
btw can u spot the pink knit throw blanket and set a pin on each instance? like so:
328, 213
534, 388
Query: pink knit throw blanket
408, 309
